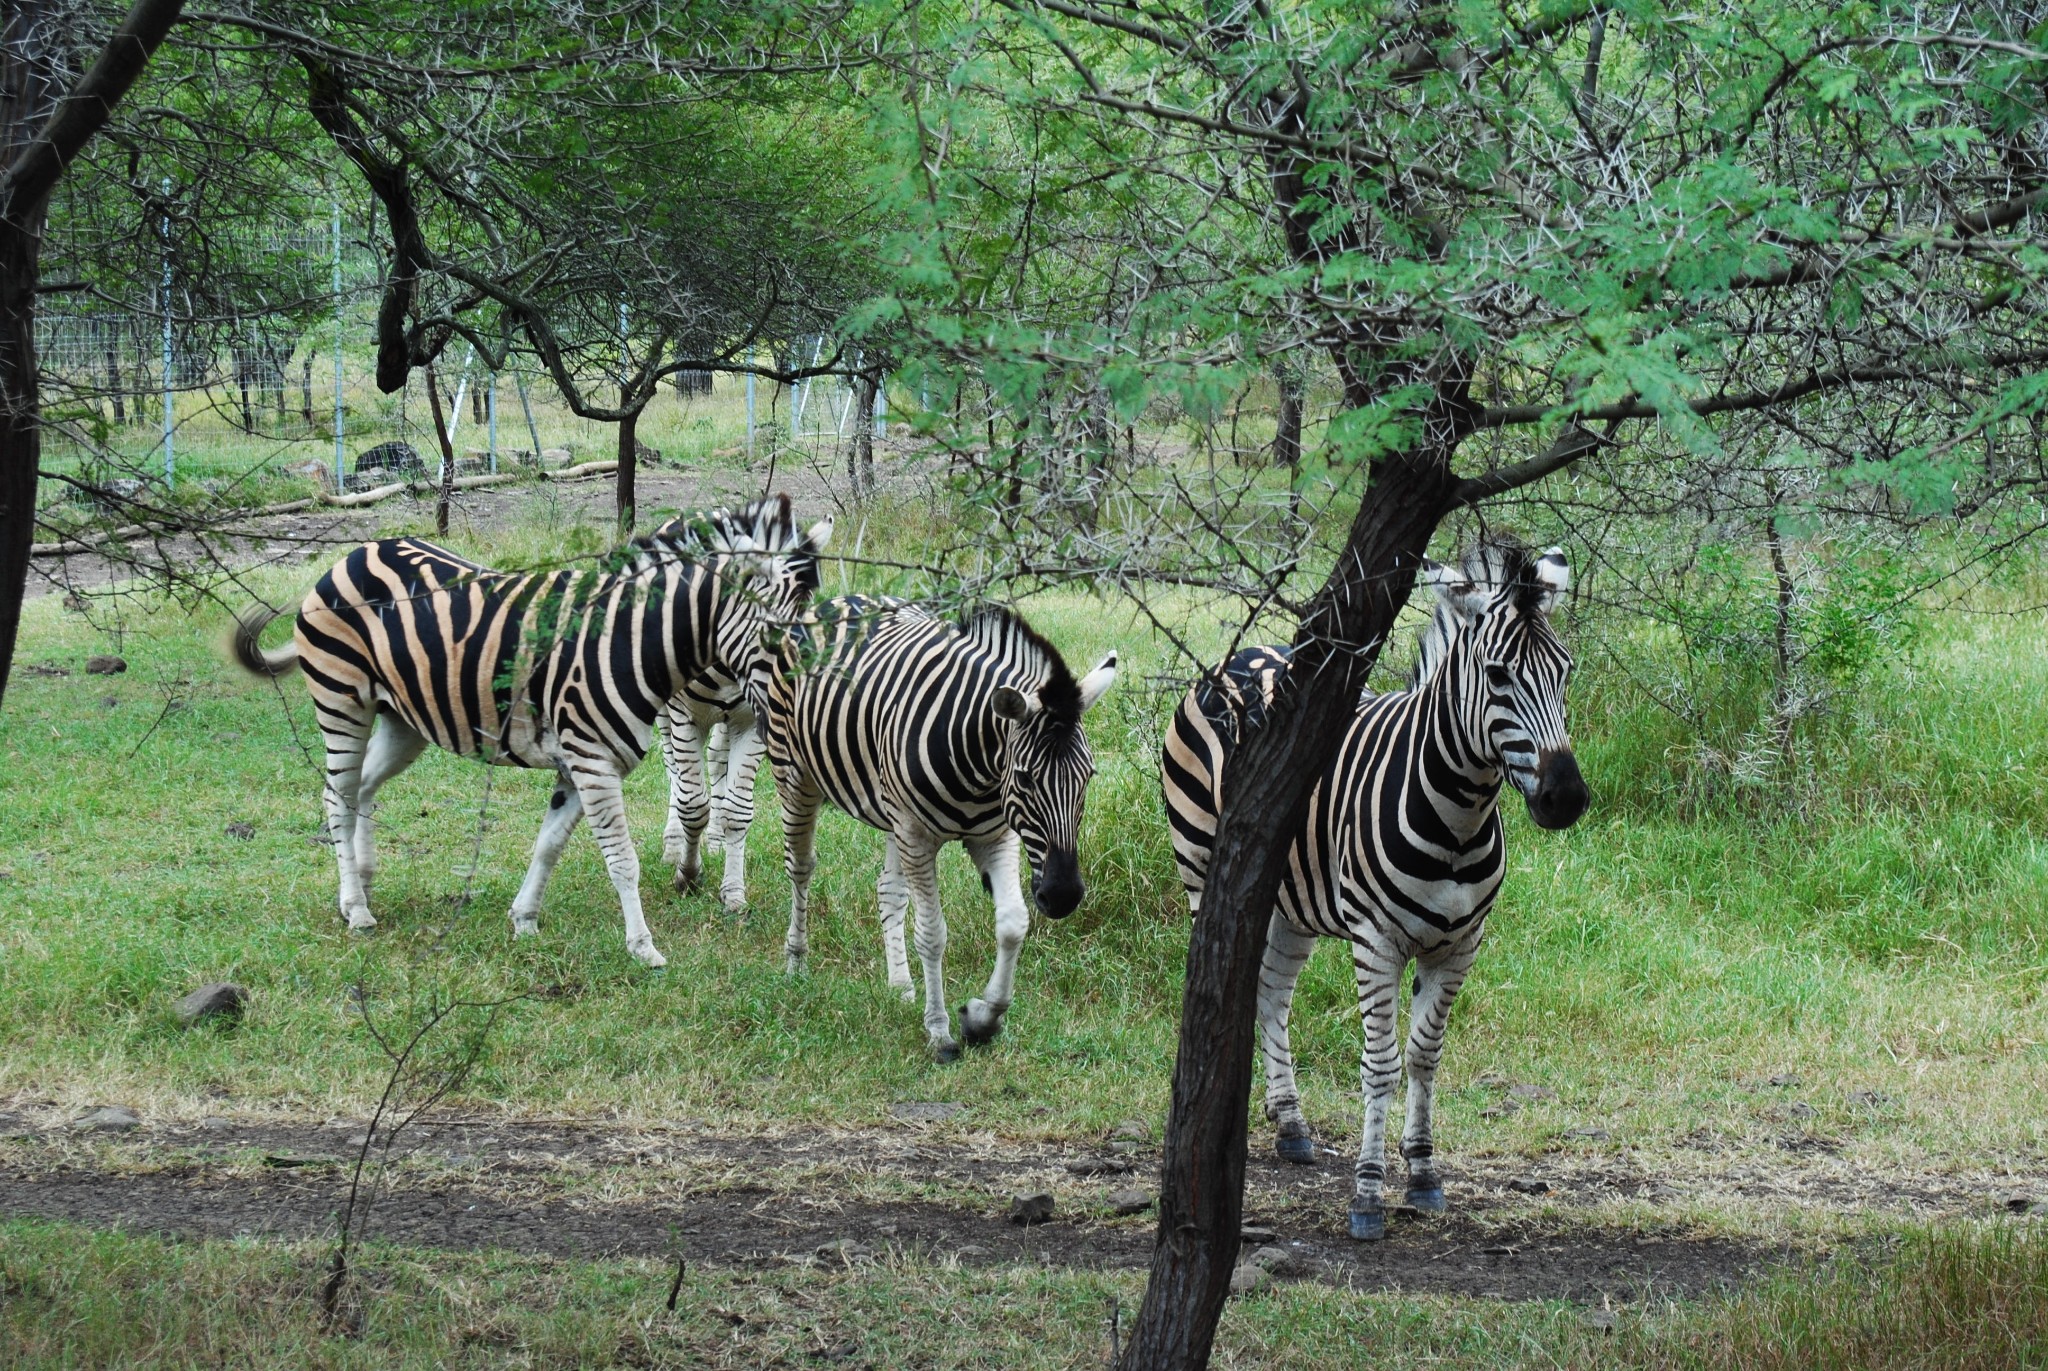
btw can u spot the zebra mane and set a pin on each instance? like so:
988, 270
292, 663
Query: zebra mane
1003, 635
1494, 564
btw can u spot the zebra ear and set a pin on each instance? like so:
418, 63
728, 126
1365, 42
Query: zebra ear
820, 535
1554, 575
1011, 704
1097, 681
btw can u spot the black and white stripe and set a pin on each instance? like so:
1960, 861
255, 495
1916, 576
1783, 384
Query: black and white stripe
935, 733
1401, 855
406, 644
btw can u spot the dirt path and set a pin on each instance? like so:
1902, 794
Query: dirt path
585, 1191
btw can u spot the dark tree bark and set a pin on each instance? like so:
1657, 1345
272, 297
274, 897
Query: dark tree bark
447, 496
860, 458
1201, 1198
629, 465
39, 137
113, 343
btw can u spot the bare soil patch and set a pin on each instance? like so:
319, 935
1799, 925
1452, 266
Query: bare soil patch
540, 1189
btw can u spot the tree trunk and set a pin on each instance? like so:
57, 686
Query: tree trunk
629, 452
447, 454
1201, 1198
860, 458
113, 341
21, 435
306, 390
243, 366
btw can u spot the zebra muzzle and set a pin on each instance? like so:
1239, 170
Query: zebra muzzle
1560, 796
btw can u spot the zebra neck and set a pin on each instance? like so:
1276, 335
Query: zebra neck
1450, 773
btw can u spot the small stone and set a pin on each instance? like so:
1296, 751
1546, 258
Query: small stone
1249, 1279
1499, 1111
1529, 1185
1531, 1092
105, 666
110, 1118
925, 1111
1274, 1260
1252, 1235
218, 1000
1032, 1208
886, 1230
1133, 1201
1800, 1109
1492, 1080
1133, 1130
1783, 1081
240, 830
846, 1250
1098, 1166
970, 1251
214, 1123
1875, 1099
1600, 1319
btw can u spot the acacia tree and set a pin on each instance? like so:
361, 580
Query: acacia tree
52, 103
1520, 238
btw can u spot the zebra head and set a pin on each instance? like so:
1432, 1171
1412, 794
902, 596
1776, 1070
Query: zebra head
1492, 632
1045, 763
767, 567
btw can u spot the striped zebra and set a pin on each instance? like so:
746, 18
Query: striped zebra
935, 732
405, 644
1402, 854
711, 747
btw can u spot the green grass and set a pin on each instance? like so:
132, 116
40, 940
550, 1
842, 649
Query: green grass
1652, 966
1960, 1300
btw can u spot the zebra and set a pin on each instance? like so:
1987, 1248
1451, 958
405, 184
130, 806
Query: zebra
934, 732
711, 748
405, 644
1402, 854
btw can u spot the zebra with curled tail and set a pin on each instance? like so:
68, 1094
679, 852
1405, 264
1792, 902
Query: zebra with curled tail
405, 644
1402, 853
934, 733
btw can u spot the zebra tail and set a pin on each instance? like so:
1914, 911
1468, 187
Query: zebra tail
249, 653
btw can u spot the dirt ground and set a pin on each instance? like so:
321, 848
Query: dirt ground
590, 1191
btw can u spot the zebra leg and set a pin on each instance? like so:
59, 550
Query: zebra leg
565, 807
603, 799
919, 856
1378, 984
981, 1019
1287, 951
800, 801
682, 750
347, 737
1435, 987
893, 893
734, 813
395, 746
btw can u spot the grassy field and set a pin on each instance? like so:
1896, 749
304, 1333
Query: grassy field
1802, 1019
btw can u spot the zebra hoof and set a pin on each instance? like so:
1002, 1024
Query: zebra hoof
687, 882
735, 901
1301, 1149
1368, 1225
980, 1021
647, 955
1430, 1201
945, 1054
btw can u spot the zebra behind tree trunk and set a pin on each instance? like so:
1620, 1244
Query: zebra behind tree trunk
1402, 855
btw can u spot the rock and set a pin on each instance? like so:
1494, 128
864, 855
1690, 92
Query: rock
1784, 1080
1098, 1166
240, 830
214, 1123
1249, 1279
1132, 1130
109, 1118
1132, 1201
1529, 1185
1252, 1235
970, 1252
925, 1111
1032, 1208
105, 666
1499, 1111
1277, 1261
1492, 1080
1800, 1109
845, 1250
216, 1000
1875, 1099
555, 457
1531, 1092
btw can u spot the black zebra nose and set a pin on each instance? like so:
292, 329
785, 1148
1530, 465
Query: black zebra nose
1561, 795
1058, 887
